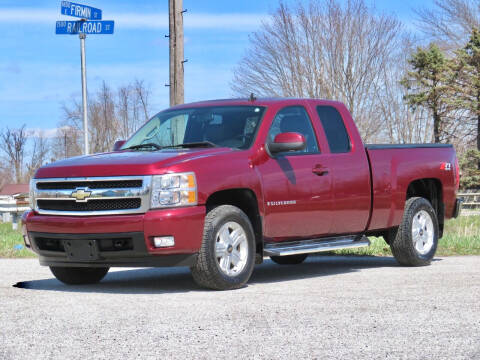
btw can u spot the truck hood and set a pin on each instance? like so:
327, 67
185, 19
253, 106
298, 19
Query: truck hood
124, 163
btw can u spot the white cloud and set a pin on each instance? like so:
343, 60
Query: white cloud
27, 15
37, 132
246, 22
230, 21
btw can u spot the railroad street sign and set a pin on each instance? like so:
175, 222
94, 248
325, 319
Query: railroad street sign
81, 11
84, 27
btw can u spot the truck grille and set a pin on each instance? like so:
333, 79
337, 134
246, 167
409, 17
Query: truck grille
91, 185
92, 205
92, 196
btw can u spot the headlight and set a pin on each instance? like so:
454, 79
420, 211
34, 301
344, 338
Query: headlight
31, 193
174, 190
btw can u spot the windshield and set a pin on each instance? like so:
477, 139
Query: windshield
225, 126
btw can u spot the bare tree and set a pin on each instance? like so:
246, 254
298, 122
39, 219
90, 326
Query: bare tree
13, 143
6, 174
142, 97
113, 114
123, 111
103, 125
324, 50
450, 22
104, 128
402, 124
132, 107
40, 151
67, 143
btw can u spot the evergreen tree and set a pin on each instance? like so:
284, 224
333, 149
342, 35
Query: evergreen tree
468, 80
470, 173
429, 85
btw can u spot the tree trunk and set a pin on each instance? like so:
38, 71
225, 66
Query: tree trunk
478, 125
436, 126
478, 135
18, 173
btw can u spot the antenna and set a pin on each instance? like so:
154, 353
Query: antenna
252, 97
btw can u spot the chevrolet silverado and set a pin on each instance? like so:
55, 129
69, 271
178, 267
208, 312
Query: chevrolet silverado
219, 185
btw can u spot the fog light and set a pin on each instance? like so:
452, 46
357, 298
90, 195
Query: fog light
25, 236
163, 241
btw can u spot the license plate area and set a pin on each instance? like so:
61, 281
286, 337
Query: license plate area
81, 250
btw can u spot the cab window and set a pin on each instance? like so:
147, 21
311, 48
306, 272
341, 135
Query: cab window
334, 128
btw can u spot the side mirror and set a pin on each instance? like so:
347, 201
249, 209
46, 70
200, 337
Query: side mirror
118, 145
289, 141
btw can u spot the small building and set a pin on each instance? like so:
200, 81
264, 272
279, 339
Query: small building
13, 202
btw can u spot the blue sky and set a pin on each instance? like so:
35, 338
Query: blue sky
40, 70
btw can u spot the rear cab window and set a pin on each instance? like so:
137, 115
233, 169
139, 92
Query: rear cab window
334, 128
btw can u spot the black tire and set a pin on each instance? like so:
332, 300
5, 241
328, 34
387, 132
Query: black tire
79, 275
289, 259
207, 272
402, 242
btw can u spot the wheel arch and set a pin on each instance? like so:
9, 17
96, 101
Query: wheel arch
432, 190
246, 200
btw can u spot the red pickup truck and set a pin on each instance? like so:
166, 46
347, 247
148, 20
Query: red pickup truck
219, 185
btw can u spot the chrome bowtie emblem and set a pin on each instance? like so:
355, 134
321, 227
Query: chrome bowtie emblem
81, 195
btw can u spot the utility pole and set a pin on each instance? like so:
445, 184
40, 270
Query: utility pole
175, 11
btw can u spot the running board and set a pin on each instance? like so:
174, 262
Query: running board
314, 246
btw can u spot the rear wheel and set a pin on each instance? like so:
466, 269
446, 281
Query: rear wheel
415, 242
79, 276
227, 256
289, 259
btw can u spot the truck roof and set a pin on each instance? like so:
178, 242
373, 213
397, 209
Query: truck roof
259, 102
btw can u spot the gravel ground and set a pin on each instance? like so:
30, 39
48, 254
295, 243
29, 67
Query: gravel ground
328, 307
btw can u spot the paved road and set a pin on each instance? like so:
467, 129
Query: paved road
346, 308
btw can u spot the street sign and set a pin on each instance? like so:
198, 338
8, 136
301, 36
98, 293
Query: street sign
84, 27
90, 23
81, 11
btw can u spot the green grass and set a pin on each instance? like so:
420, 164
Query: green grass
461, 237
9, 238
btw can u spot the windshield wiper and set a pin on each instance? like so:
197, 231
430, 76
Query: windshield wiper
192, 145
142, 146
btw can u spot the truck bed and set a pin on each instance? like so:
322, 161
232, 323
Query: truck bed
396, 167
405, 146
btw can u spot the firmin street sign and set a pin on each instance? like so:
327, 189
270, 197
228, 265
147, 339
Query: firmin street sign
80, 11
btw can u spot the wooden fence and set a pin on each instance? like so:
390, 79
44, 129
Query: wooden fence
471, 202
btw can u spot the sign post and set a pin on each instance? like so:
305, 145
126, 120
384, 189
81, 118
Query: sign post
89, 23
84, 93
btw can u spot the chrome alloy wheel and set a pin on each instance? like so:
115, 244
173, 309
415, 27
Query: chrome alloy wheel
231, 248
422, 232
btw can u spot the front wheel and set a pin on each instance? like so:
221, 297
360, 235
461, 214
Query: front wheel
415, 242
227, 256
79, 275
